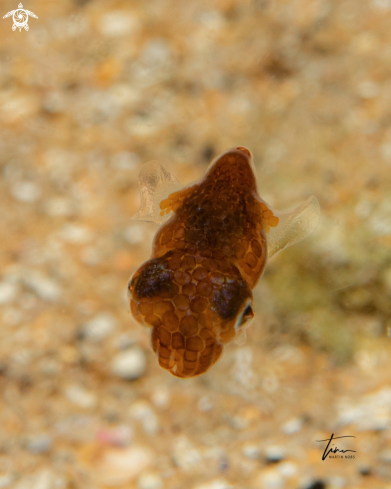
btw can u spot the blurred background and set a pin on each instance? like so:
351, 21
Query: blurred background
92, 91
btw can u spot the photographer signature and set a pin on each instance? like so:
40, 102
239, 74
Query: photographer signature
334, 450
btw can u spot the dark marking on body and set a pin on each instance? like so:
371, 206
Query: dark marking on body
156, 278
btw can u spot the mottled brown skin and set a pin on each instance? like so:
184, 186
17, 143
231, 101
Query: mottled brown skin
195, 291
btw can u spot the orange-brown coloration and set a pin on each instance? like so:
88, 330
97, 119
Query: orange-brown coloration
195, 291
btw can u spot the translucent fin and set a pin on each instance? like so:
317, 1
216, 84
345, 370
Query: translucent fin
293, 225
241, 338
155, 184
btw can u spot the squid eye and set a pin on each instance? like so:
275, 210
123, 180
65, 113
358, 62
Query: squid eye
246, 314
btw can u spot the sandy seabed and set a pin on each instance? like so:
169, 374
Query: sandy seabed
87, 95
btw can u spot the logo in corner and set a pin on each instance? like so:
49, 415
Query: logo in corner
20, 17
335, 450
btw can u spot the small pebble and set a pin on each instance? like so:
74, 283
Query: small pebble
142, 411
185, 455
117, 23
44, 479
242, 369
382, 5
125, 161
80, 396
129, 364
365, 470
161, 397
371, 412
149, 481
7, 292
156, 55
27, 192
125, 96
251, 451
77, 428
116, 436
23, 356
287, 469
123, 341
271, 479
71, 233
331, 242
274, 454
100, 327
49, 367
318, 484
46, 288
212, 20
54, 102
366, 360
363, 209
292, 426
205, 404
121, 465
216, 484
19, 108
134, 234
39, 444
6, 480
337, 482
368, 89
